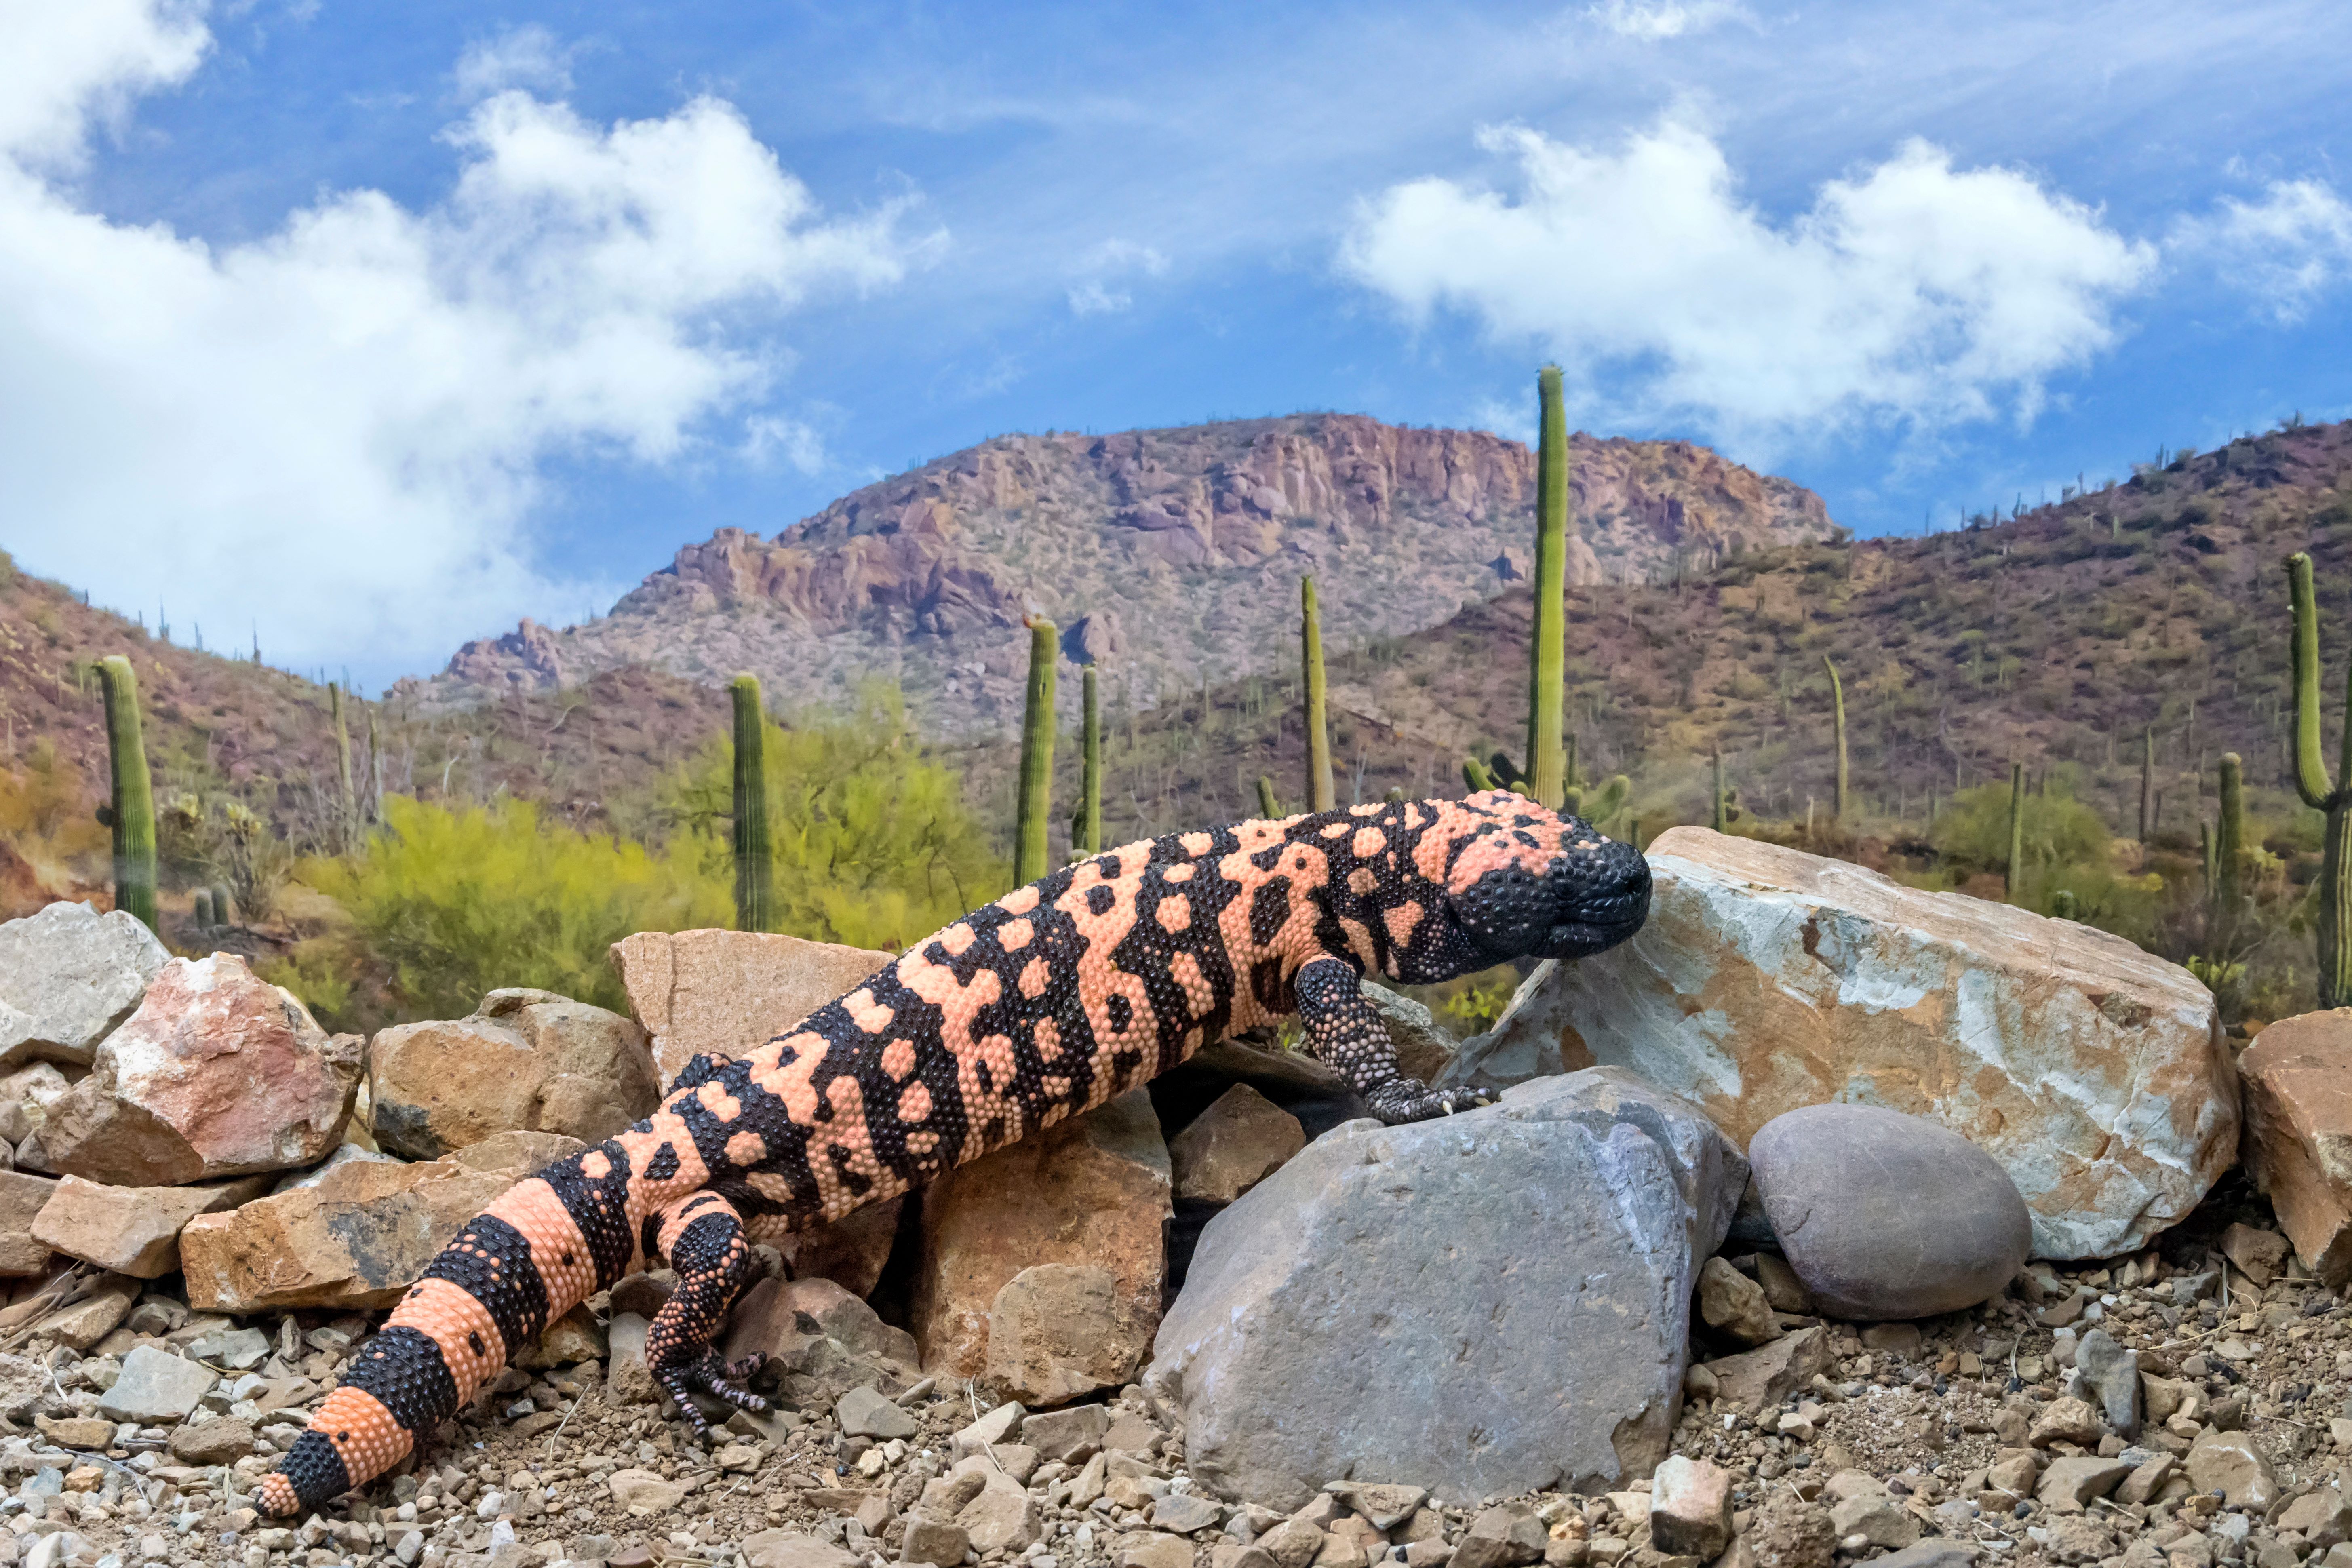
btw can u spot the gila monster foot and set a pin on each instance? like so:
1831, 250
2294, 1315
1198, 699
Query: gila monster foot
706, 1373
1410, 1099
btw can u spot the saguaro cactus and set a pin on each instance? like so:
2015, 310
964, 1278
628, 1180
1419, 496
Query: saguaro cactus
130, 805
2148, 783
1474, 776
1320, 796
1722, 822
224, 910
2012, 875
1267, 806
2228, 890
2322, 793
346, 799
1035, 805
1085, 824
755, 865
1547, 762
1837, 713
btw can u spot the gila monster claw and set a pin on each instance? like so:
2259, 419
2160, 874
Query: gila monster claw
709, 1374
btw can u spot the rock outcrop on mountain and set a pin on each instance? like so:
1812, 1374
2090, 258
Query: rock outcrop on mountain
1175, 551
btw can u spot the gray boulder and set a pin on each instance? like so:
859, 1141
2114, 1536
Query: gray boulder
68, 974
1884, 1215
1561, 1228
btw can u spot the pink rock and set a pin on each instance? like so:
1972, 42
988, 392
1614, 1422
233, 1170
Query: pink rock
218, 1074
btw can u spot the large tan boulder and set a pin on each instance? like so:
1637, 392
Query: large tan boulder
2298, 1136
1769, 979
218, 1073
1093, 1190
724, 993
527, 1061
132, 1230
361, 1236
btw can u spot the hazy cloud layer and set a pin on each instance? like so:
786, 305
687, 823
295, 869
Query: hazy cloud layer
342, 424
2285, 248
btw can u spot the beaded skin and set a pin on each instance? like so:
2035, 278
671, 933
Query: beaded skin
1050, 1001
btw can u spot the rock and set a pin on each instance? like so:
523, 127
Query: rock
1867, 1511
2074, 1481
2147, 1479
1068, 1436
2110, 1374
1002, 1518
1690, 1508
863, 1413
643, 1493
85, 1322
1790, 1532
850, 1345
22, 1199
132, 1230
2066, 1420
726, 992
1236, 1144
78, 1432
1884, 1215
1941, 1552
1782, 1290
569, 1339
525, 1062
627, 1379
1505, 1536
851, 1251
155, 1388
239, 1350
2320, 1516
1729, 1301
1762, 1379
2259, 1254
343, 1154
1184, 1514
1093, 1190
1152, 1550
1564, 1224
1386, 1504
1424, 1045
934, 1541
1058, 1332
1766, 979
67, 976
360, 1237
791, 1549
222, 1440
216, 1074
2230, 1463
2298, 1088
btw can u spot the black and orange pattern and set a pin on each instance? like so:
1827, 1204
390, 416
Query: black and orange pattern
1046, 1003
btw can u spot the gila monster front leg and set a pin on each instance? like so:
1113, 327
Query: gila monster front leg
1347, 1031
702, 1237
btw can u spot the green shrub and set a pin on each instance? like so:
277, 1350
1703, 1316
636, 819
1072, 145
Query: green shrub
456, 903
1973, 830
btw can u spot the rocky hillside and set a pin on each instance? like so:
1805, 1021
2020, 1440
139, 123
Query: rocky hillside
1172, 555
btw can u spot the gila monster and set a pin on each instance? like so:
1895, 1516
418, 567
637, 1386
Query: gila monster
1049, 1001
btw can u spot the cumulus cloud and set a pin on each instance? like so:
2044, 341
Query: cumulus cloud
341, 428
1913, 291
526, 56
1653, 20
2285, 248
1094, 295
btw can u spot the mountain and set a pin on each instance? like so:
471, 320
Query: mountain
1172, 555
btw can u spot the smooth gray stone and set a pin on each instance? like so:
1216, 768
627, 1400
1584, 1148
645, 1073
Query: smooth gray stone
67, 976
156, 1386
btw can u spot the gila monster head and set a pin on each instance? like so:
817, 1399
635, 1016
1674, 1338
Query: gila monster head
1525, 882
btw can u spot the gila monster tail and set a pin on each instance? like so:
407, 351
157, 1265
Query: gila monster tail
531, 1257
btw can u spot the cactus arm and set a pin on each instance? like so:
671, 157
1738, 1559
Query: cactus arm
2311, 781
132, 809
1035, 808
1267, 806
1547, 763
755, 865
1474, 775
1321, 796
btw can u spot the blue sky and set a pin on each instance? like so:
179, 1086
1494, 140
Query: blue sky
380, 327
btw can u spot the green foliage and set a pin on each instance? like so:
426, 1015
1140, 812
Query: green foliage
130, 813
754, 861
2053, 829
1036, 807
319, 971
456, 903
872, 845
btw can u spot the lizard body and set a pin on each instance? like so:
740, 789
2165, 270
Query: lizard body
1042, 1004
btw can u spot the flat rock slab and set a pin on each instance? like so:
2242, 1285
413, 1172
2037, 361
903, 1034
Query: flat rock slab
726, 992
2298, 1141
68, 976
1884, 1215
1561, 1228
1768, 979
155, 1386
132, 1230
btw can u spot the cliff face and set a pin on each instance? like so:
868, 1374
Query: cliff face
1172, 555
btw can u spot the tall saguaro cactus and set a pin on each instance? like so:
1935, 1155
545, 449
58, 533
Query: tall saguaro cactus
2228, 890
755, 865
2148, 783
1722, 822
1320, 796
2012, 875
2322, 793
130, 805
1547, 761
346, 798
1837, 713
1267, 806
1086, 825
1034, 807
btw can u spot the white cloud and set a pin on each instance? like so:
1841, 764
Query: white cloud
2285, 248
1912, 291
769, 438
526, 56
1653, 20
340, 428
68, 66
1094, 295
